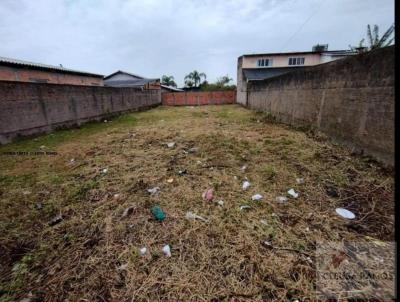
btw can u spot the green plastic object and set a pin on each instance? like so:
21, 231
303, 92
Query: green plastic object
158, 213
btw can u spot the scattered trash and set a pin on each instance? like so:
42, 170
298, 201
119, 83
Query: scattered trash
281, 199
300, 180
199, 162
143, 251
153, 190
208, 195
345, 213
182, 172
191, 215
264, 221
104, 171
309, 260
244, 207
307, 229
26, 192
292, 193
57, 219
170, 180
158, 213
122, 267
166, 250
72, 160
256, 197
267, 243
42, 147
245, 185
235, 177
243, 168
116, 196
39, 206
193, 150
376, 241
127, 211
220, 202
171, 145
105, 121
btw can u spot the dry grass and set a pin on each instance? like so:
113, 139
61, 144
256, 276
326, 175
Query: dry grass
224, 260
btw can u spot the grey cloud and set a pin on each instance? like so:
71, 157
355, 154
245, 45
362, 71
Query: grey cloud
174, 37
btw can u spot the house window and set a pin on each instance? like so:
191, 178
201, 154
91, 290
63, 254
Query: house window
264, 62
296, 61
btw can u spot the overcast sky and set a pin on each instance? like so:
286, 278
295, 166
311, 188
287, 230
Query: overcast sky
172, 37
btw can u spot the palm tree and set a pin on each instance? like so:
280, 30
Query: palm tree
168, 81
194, 78
374, 40
222, 81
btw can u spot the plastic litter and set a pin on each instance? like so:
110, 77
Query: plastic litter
142, 251
193, 150
267, 243
300, 180
191, 215
170, 180
220, 202
104, 171
208, 195
158, 213
244, 207
38, 206
72, 160
264, 221
245, 185
243, 168
127, 211
171, 145
153, 190
281, 199
116, 196
235, 177
105, 121
122, 267
57, 219
182, 172
26, 192
345, 213
256, 197
167, 250
293, 193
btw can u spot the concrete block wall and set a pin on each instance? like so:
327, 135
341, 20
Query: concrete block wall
351, 100
28, 108
198, 98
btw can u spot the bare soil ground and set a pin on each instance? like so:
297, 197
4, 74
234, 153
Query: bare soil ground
92, 253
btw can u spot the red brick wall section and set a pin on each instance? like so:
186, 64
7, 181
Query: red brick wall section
53, 77
198, 98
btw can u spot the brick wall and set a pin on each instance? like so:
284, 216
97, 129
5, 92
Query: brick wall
27, 108
8, 73
351, 100
198, 98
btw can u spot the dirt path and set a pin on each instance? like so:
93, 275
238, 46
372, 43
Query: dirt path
92, 254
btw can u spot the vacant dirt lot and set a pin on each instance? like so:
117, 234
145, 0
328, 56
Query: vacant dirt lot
92, 252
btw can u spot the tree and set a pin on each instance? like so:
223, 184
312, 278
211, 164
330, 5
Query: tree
374, 40
193, 79
168, 81
222, 81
